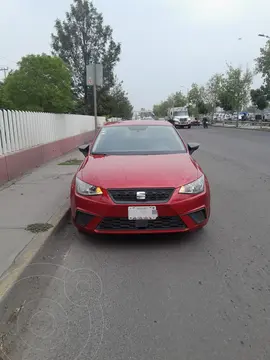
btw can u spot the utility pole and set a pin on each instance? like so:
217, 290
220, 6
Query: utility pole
95, 95
5, 69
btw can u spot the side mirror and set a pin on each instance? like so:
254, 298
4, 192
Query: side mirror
84, 149
193, 147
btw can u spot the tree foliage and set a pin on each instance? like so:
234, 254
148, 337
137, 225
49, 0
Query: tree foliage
197, 98
235, 88
2, 95
259, 98
57, 83
263, 64
263, 67
82, 38
213, 91
225, 101
160, 110
196, 94
41, 83
119, 104
177, 99
203, 108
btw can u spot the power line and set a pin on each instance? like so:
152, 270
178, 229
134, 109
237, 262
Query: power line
5, 69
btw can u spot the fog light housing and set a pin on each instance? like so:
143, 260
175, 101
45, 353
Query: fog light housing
198, 216
82, 218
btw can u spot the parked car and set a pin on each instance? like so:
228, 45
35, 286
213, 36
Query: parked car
258, 117
195, 122
139, 177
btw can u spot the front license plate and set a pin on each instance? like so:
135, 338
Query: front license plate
142, 213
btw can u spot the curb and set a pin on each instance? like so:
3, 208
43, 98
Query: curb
18, 270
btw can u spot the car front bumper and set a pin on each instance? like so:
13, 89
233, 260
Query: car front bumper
182, 125
100, 214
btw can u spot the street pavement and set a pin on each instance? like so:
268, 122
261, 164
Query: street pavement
200, 296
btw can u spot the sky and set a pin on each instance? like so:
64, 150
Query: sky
166, 44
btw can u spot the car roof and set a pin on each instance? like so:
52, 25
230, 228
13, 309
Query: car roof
139, 123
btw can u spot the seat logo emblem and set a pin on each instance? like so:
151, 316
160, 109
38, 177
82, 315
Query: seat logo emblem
141, 195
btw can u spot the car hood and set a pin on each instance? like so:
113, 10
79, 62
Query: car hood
136, 171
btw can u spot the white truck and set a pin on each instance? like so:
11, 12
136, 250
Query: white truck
178, 116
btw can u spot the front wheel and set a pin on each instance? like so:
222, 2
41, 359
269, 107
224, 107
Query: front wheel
189, 126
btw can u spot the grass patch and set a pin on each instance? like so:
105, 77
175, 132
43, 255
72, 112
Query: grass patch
71, 162
38, 227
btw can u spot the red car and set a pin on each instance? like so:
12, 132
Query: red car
139, 177
195, 122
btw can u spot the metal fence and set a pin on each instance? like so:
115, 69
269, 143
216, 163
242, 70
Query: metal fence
21, 130
247, 124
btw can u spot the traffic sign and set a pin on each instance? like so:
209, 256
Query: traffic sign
94, 75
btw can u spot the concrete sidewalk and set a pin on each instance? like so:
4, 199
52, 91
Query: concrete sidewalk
32, 199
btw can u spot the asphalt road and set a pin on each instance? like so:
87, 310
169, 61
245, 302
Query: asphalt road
203, 296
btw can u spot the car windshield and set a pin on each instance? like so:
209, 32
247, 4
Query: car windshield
138, 140
180, 113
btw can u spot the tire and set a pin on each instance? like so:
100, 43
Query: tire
189, 126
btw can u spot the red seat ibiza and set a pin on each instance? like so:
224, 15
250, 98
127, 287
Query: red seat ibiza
139, 177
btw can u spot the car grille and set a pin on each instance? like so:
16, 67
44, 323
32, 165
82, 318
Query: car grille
130, 195
161, 223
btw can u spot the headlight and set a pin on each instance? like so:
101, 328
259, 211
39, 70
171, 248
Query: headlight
86, 189
196, 187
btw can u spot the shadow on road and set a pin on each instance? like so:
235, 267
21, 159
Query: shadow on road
145, 241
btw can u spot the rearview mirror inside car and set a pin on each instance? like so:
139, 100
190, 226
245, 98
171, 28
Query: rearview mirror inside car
84, 149
193, 147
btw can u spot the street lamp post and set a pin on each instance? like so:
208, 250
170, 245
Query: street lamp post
264, 35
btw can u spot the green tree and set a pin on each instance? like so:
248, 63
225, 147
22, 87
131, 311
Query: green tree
195, 94
259, 98
203, 108
236, 89
5, 103
198, 101
213, 91
160, 110
263, 66
119, 104
177, 99
174, 100
41, 83
225, 101
1, 95
82, 38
